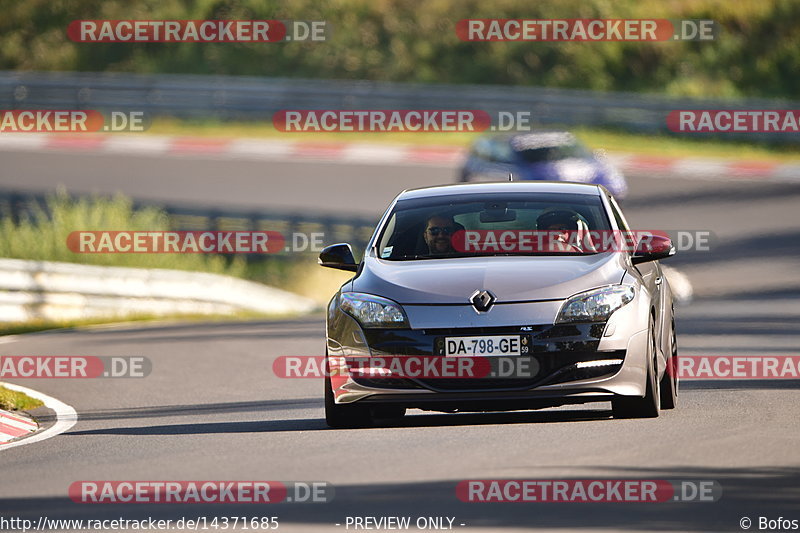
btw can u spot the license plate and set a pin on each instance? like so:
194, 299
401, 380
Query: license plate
483, 345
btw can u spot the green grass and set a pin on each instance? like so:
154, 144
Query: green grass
43, 237
13, 401
33, 326
611, 140
673, 146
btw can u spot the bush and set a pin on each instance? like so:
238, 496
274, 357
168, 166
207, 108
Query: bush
43, 235
12, 400
756, 54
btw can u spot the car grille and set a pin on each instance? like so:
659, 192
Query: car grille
554, 367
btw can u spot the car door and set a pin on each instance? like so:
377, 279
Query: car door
652, 278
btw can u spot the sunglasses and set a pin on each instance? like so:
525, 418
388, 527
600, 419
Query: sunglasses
437, 230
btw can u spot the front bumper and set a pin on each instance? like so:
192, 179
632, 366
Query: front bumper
558, 351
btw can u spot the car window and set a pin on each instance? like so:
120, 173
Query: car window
553, 153
482, 148
419, 229
501, 151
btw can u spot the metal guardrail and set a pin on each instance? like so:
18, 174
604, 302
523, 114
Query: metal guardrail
48, 290
356, 230
252, 98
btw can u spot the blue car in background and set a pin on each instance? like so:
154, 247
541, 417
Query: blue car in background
546, 155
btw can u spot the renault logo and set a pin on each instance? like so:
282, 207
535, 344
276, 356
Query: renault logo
482, 301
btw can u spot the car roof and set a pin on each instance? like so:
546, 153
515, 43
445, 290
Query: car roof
503, 187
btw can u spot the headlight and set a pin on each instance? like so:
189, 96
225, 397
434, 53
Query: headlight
595, 305
373, 311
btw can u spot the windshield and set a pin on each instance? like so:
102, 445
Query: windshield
470, 225
553, 153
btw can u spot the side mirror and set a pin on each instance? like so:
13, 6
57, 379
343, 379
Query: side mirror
652, 248
338, 256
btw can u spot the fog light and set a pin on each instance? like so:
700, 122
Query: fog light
603, 362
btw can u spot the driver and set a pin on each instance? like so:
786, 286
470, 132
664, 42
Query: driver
438, 234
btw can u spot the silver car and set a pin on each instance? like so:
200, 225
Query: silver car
493, 272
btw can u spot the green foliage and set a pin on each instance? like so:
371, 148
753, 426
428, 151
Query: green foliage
756, 54
43, 236
12, 400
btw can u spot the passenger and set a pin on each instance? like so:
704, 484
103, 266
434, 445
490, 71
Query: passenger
562, 227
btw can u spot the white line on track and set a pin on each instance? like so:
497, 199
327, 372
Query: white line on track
66, 417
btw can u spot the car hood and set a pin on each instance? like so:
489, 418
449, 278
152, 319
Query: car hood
510, 279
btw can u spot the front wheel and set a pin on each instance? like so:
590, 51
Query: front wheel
342, 416
648, 406
669, 383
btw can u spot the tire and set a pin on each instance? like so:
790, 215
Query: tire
343, 416
391, 412
647, 406
669, 383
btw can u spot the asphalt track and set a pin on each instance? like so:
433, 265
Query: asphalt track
213, 410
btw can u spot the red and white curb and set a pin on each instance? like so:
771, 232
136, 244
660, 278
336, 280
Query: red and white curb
708, 168
371, 153
13, 426
66, 417
243, 148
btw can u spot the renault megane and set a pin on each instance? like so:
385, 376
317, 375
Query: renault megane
487, 270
